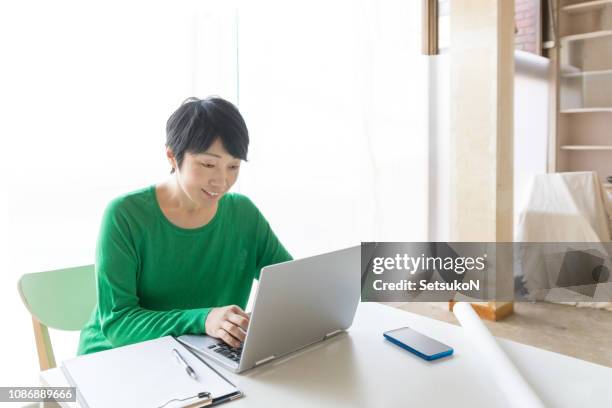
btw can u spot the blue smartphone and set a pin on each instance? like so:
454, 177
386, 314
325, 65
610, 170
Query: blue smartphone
417, 343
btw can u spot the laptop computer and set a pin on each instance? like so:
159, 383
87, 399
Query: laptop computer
297, 304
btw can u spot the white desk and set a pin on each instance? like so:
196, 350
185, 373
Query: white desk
362, 369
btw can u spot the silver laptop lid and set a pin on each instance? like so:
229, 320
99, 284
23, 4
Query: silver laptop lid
300, 302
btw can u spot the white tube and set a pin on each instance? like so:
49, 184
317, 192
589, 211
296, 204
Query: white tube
517, 391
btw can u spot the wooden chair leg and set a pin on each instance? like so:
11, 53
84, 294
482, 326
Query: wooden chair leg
46, 358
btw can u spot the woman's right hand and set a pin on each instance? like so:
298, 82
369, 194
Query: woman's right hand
228, 323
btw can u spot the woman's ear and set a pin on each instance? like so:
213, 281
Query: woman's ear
171, 159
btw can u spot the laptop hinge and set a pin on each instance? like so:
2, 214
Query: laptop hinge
265, 360
330, 334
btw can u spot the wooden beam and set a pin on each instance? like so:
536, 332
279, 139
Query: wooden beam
430, 27
491, 311
482, 85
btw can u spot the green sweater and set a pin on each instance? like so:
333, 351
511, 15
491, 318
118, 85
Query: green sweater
156, 279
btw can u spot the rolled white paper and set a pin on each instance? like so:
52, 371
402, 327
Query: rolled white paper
517, 391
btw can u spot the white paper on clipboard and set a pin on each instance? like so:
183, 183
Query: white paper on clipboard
143, 375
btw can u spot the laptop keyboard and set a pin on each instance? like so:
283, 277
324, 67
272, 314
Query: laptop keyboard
227, 351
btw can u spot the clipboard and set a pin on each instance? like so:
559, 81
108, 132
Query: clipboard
147, 375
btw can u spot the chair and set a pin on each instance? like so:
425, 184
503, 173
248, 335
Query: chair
61, 299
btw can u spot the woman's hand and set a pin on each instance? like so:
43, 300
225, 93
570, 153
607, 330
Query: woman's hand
228, 323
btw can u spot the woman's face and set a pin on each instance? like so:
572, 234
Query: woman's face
205, 177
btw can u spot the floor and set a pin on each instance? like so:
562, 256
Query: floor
584, 333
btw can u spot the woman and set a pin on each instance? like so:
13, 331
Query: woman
180, 257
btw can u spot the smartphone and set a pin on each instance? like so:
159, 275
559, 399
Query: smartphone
417, 343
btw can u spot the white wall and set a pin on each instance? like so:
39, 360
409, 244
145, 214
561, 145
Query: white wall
439, 150
531, 93
531, 110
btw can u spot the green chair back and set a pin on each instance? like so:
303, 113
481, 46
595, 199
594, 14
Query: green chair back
61, 299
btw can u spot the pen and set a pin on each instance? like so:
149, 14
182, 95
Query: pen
188, 368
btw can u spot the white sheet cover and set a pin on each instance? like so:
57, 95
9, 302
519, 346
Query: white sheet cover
563, 207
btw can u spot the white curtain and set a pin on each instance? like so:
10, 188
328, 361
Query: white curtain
334, 94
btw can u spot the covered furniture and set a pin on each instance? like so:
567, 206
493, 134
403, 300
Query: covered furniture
564, 237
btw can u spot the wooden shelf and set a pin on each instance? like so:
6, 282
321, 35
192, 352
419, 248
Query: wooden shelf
587, 36
586, 147
581, 138
588, 73
586, 6
586, 110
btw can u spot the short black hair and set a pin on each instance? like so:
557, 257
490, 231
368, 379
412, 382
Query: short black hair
197, 123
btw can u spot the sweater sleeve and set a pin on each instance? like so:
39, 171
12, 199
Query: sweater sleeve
270, 250
122, 319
